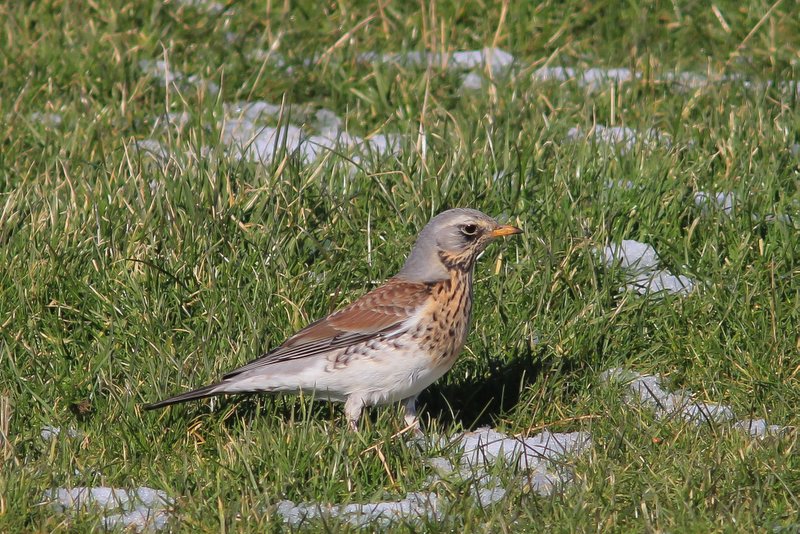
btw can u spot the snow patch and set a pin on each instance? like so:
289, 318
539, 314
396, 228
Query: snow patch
723, 201
648, 390
248, 138
162, 71
49, 120
622, 138
539, 459
759, 428
138, 509
497, 60
415, 508
592, 78
473, 81
152, 149
178, 120
49, 433
213, 8
641, 264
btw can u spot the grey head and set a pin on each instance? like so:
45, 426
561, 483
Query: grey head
451, 240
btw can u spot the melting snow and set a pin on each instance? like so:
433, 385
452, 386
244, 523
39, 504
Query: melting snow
166, 75
631, 255
244, 131
620, 137
648, 391
50, 120
597, 77
658, 281
51, 432
415, 507
486, 446
177, 119
386, 143
592, 78
259, 144
139, 509
473, 81
759, 428
497, 60
204, 5
722, 201
539, 460
726, 203
640, 261
251, 140
153, 149
620, 184
540, 463
252, 111
327, 122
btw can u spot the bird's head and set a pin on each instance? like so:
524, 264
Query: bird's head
451, 240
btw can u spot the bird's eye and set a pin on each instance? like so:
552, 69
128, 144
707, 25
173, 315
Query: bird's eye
469, 229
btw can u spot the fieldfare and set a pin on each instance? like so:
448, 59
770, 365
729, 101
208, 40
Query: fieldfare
388, 345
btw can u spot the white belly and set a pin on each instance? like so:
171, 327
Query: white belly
381, 377
396, 379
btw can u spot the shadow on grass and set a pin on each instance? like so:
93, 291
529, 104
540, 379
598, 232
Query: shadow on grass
481, 401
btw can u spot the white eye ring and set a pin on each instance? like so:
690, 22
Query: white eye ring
469, 229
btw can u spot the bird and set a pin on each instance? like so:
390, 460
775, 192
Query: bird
388, 345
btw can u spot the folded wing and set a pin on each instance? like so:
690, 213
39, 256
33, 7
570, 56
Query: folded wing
384, 312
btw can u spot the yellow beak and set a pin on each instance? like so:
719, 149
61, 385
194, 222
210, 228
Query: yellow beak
501, 231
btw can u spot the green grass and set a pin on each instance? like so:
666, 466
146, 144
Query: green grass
114, 293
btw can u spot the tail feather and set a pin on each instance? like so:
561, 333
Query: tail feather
200, 393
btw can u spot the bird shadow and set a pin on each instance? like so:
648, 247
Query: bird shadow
481, 402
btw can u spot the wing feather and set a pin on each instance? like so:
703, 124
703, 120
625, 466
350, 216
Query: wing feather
380, 313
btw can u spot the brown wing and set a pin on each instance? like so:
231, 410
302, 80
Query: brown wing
381, 312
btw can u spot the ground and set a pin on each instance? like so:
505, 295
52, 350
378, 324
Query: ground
159, 227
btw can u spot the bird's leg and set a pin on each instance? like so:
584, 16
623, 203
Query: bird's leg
352, 411
410, 413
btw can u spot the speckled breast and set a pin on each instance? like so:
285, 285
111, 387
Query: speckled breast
443, 333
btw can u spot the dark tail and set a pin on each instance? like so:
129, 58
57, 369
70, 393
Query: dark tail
201, 393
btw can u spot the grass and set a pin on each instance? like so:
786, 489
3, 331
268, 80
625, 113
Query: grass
124, 280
